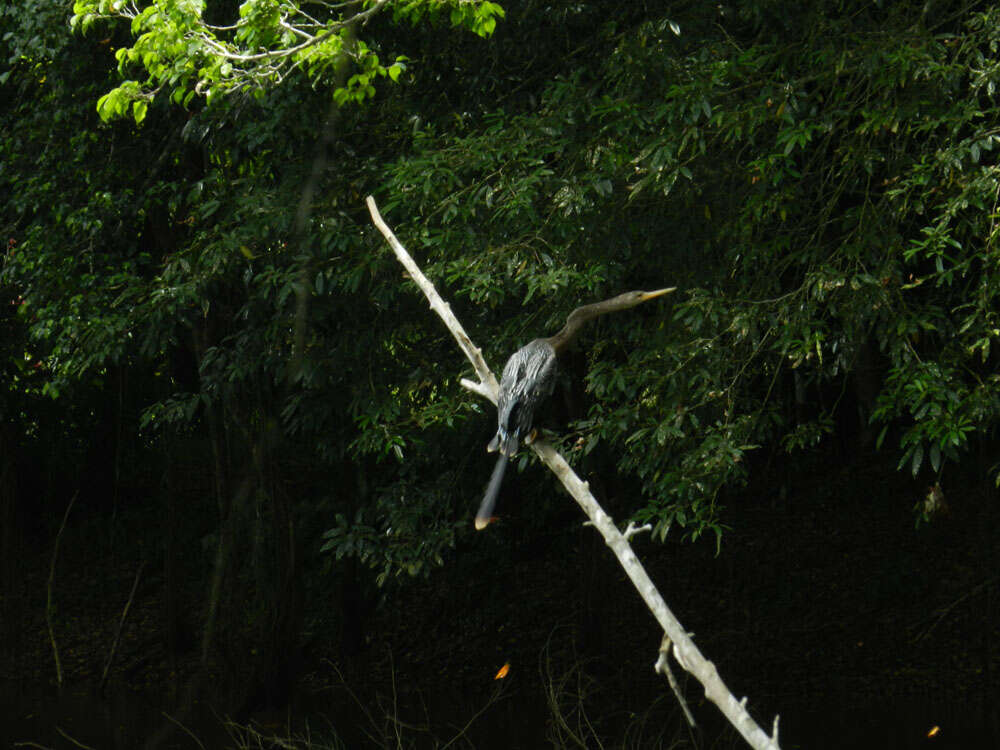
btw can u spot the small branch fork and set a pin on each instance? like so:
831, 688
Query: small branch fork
662, 666
683, 648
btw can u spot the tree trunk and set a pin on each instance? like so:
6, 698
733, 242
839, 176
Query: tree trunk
279, 650
171, 614
11, 596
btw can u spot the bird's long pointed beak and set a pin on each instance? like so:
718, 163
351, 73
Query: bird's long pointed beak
658, 293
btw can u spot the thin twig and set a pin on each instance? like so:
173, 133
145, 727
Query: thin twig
49, 606
497, 695
121, 625
943, 613
189, 733
74, 741
663, 667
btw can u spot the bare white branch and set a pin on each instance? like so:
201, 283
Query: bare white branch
685, 651
334, 6
438, 305
310, 39
294, 29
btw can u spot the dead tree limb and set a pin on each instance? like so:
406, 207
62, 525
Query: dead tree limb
684, 649
489, 387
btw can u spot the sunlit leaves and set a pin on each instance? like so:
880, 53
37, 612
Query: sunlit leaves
177, 51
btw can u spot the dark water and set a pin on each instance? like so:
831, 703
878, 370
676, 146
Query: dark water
926, 724
122, 720
127, 721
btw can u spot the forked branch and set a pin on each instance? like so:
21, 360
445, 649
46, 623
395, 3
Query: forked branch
684, 649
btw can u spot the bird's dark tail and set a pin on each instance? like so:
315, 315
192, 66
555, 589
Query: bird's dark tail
485, 513
504, 442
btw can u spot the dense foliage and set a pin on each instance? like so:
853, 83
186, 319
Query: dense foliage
822, 184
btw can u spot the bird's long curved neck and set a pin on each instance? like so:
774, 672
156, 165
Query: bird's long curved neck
581, 315
575, 321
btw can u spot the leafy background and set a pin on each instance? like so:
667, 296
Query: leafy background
204, 335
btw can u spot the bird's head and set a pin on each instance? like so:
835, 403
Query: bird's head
631, 299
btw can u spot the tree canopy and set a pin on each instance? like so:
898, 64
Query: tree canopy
826, 205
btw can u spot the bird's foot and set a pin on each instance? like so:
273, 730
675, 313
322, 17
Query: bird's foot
531, 437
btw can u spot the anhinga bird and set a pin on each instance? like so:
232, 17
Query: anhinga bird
528, 379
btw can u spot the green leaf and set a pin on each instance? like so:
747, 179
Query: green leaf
918, 458
139, 110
